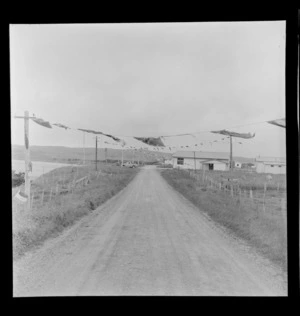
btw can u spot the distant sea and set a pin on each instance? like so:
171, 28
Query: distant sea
38, 167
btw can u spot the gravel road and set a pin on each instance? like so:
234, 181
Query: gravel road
147, 240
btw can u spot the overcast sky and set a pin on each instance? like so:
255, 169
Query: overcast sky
149, 80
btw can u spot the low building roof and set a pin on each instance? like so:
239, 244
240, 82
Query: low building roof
201, 155
214, 162
271, 159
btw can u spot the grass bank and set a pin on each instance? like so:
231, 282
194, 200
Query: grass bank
249, 180
266, 231
57, 203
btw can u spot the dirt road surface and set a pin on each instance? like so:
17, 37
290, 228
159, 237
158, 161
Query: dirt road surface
147, 240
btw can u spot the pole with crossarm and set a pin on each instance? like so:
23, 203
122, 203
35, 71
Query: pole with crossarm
26, 118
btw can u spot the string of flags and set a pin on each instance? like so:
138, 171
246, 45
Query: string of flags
61, 125
159, 143
234, 134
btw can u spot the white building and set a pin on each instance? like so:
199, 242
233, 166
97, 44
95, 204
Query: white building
270, 165
201, 160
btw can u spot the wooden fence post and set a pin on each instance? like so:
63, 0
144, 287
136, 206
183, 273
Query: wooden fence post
231, 190
51, 194
31, 205
264, 198
282, 207
43, 197
43, 176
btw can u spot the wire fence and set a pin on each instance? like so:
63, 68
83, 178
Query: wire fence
49, 186
267, 200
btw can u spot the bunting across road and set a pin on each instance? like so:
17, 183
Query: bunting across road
158, 143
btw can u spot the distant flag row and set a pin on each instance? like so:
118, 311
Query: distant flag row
170, 148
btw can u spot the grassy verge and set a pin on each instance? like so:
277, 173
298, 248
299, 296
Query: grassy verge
266, 231
247, 180
57, 205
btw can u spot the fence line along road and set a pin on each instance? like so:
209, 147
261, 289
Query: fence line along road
235, 191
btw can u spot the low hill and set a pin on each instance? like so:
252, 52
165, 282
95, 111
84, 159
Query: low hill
69, 154
244, 159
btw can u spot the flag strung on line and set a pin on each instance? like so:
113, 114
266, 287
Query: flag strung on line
61, 125
41, 122
89, 131
100, 133
21, 196
113, 137
234, 134
153, 141
279, 122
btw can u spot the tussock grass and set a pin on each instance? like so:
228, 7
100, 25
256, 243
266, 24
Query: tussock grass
66, 207
266, 231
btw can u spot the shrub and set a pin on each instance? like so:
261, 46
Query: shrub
17, 178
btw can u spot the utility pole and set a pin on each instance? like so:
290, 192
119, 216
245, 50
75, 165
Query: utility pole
195, 160
83, 147
26, 118
96, 162
230, 163
27, 158
122, 155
